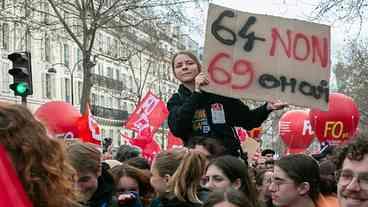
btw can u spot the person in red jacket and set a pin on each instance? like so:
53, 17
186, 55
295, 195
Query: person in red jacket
194, 112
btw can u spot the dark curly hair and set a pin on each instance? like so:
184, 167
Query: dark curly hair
355, 150
39, 160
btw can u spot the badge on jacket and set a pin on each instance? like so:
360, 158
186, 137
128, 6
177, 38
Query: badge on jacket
218, 113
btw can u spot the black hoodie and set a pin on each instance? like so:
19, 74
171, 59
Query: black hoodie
192, 114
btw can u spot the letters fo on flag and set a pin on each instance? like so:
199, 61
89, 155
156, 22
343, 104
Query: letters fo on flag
151, 112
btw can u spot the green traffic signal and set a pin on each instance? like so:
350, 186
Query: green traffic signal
21, 88
22, 73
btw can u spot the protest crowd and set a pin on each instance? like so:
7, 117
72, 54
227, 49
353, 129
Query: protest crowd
210, 170
208, 167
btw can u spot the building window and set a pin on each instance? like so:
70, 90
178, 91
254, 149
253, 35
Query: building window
125, 106
47, 49
109, 72
79, 95
5, 35
94, 99
102, 103
117, 72
100, 69
109, 102
67, 90
66, 55
79, 59
49, 86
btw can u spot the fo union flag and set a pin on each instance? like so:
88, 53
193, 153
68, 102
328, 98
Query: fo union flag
150, 113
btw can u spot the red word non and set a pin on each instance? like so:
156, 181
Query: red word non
315, 48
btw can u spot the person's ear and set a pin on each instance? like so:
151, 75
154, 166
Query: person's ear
236, 184
303, 188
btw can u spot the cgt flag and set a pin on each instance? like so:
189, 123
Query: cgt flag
148, 116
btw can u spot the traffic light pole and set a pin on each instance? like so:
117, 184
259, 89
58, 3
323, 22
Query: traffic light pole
24, 100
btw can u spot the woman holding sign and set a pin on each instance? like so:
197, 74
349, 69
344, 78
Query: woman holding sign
194, 112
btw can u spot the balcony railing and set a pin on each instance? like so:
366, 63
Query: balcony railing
106, 82
109, 113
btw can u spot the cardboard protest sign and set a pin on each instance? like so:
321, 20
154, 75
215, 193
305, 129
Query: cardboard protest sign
251, 146
264, 57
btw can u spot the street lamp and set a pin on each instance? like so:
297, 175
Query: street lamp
71, 72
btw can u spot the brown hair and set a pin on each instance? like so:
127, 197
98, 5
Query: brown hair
190, 167
233, 196
355, 150
302, 168
84, 157
40, 161
125, 170
189, 54
234, 168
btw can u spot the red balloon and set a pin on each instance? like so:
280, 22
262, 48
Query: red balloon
59, 118
295, 130
337, 124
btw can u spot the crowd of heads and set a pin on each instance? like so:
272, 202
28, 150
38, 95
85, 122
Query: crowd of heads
55, 174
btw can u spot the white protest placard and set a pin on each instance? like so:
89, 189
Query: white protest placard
267, 58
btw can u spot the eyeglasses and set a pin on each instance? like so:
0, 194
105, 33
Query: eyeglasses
277, 182
345, 177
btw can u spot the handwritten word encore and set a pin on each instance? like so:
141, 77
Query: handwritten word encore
267, 58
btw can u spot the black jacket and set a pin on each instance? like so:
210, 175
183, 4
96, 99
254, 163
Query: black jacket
175, 202
191, 114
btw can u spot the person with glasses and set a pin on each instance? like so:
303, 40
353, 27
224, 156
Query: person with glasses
295, 183
352, 173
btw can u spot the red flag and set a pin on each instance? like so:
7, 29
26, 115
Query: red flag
12, 193
88, 128
140, 142
173, 141
150, 113
150, 151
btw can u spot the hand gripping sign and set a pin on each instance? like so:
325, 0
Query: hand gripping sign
264, 57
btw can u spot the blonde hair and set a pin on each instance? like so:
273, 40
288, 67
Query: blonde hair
184, 183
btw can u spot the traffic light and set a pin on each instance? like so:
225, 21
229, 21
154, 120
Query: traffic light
22, 73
